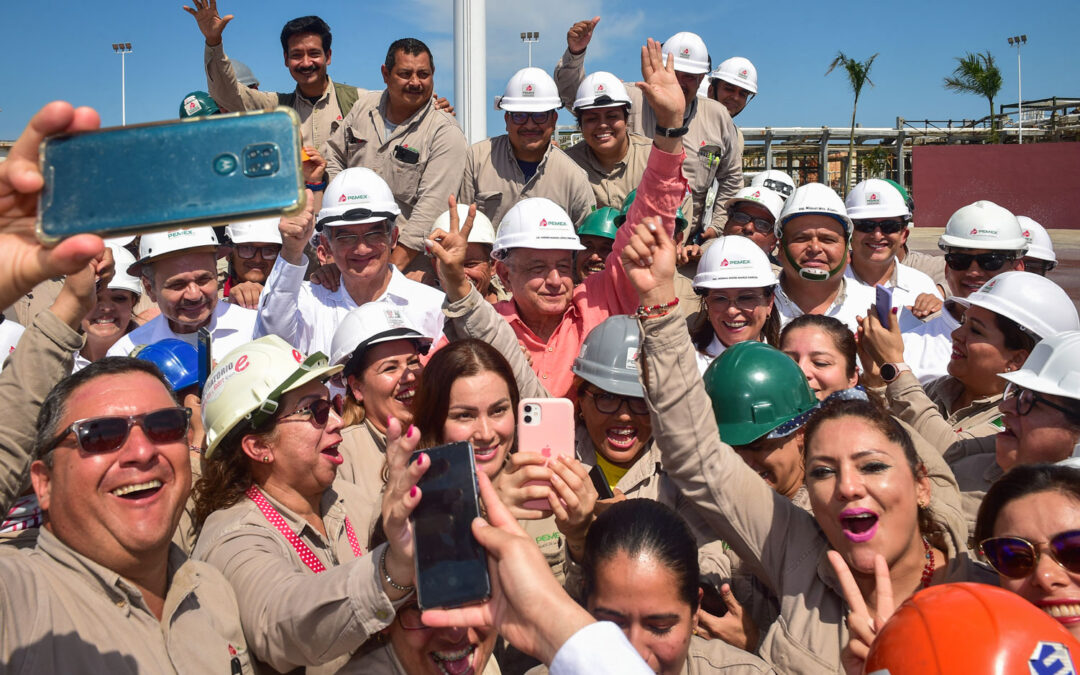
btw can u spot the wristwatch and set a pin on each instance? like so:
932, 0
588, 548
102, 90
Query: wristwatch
669, 132
891, 371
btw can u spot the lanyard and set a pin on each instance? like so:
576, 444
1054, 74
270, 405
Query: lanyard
306, 554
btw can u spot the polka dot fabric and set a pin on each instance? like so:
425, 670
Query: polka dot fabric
307, 556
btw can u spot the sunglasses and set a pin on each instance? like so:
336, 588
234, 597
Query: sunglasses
1026, 400
887, 226
1016, 557
523, 117
760, 224
319, 410
248, 251
777, 186
747, 302
989, 262
609, 404
95, 435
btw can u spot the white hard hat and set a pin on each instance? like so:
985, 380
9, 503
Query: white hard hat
119, 241
813, 198
538, 223
600, 90
247, 385
357, 195
370, 324
10, 333
1053, 367
1039, 243
734, 262
529, 90
157, 244
983, 224
875, 198
1039, 306
689, 51
259, 231
777, 181
758, 195
122, 279
737, 71
483, 232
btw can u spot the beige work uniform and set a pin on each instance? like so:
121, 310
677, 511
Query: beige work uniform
713, 145
61, 612
291, 616
422, 161
709, 656
770, 533
611, 187
363, 447
494, 180
317, 120
932, 266
930, 412
43, 358
383, 661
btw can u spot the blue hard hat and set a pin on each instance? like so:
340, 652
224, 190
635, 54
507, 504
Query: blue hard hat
177, 360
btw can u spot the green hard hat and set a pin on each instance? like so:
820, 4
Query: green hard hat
908, 201
197, 104
600, 223
756, 391
680, 218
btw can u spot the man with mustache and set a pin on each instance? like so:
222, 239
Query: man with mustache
712, 143
179, 273
400, 134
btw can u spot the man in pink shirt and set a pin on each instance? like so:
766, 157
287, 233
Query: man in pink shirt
535, 246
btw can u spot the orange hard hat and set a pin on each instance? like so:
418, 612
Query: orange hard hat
965, 628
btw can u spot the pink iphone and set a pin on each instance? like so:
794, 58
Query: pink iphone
546, 427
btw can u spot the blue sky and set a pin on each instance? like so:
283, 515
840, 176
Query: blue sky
61, 49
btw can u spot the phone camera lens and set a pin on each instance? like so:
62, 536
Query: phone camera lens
528, 419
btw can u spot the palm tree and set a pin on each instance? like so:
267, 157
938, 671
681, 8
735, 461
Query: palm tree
977, 74
858, 73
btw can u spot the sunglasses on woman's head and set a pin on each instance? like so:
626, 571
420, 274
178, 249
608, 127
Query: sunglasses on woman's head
1016, 557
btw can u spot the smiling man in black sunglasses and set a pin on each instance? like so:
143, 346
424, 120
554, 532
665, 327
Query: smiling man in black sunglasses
105, 585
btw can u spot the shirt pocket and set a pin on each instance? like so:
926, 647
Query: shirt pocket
488, 203
405, 176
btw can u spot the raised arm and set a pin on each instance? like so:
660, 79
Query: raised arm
221, 82
570, 70
279, 308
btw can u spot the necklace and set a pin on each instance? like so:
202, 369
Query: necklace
928, 568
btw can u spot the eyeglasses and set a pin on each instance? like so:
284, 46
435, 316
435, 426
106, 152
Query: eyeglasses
359, 213
887, 226
746, 301
1036, 266
319, 410
1016, 557
96, 435
409, 618
760, 224
777, 186
1026, 400
523, 117
372, 238
609, 404
989, 262
247, 251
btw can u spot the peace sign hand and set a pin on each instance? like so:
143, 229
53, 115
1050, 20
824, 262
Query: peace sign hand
449, 249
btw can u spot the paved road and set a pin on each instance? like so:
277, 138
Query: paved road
1066, 246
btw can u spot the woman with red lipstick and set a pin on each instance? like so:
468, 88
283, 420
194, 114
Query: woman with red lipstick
294, 543
1029, 531
869, 493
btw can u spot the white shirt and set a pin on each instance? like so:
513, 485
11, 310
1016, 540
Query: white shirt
928, 348
712, 351
908, 284
10, 332
306, 315
854, 299
230, 326
598, 649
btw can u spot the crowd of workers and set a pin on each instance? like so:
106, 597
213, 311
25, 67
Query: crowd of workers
794, 468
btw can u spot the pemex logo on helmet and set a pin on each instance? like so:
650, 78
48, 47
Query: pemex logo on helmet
685, 52
343, 198
872, 199
527, 89
543, 222
744, 74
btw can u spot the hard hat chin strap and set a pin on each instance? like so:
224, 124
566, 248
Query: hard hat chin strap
812, 273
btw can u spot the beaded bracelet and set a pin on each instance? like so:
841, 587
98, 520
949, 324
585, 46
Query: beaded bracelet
655, 311
388, 578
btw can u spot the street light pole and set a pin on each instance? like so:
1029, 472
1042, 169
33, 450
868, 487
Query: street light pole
1016, 41
123, 49
529, 38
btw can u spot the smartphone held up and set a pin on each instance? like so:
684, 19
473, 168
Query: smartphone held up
164, 175
546, 427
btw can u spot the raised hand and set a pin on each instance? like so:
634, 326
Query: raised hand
580, 34
649, 261
660, 86
736, 627
863, 625
296, 231
211, 24
26, 262
399, 499
449, 249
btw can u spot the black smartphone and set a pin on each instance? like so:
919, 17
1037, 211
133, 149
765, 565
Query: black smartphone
204, 357
451, 567
599, 481
711, 600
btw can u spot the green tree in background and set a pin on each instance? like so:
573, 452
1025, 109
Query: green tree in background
977, 74
858, 73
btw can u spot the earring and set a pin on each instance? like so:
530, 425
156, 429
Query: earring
266, 459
